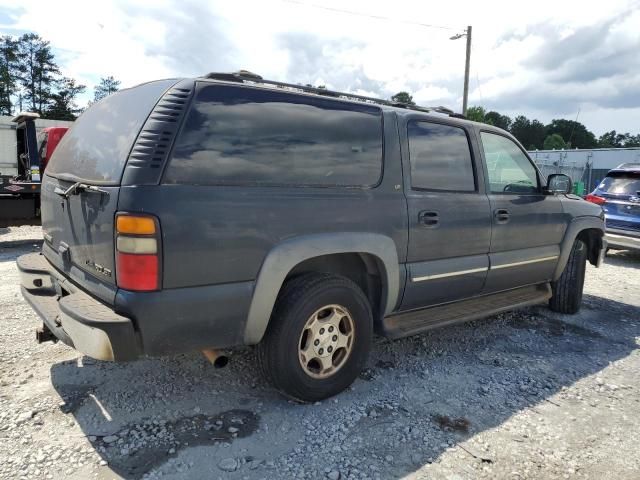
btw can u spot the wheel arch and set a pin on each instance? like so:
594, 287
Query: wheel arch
318, 252
588, 229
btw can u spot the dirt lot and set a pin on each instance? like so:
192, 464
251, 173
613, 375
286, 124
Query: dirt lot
530, 394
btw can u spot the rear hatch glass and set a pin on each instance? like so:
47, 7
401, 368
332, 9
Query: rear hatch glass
78, 228
622, 193
621, 183
96, 148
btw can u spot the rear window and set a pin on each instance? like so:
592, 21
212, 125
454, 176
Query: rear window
239, 136
621, 183
96, 148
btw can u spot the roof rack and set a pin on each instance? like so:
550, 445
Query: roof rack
244, 76
628, 166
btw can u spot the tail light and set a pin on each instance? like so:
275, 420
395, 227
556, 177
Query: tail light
137, 252
595, 199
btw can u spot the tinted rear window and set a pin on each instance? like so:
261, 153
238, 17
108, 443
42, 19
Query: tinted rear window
96, 148
238, 135
440, 157
621, 183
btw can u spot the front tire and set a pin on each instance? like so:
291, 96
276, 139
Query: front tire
567, 290
318, 339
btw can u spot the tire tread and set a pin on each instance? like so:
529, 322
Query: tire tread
567, 290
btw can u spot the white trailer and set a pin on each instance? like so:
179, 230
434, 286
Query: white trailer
9, 144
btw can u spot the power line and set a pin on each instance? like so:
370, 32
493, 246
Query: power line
375, 17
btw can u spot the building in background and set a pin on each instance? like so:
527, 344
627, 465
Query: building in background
586, 167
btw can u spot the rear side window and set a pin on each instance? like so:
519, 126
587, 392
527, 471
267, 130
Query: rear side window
621, 183
238, 135
440, 157
96, 147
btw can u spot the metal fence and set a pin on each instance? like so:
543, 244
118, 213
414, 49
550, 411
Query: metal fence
579, 173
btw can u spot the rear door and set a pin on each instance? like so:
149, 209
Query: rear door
449, 215
78, 229
527, 224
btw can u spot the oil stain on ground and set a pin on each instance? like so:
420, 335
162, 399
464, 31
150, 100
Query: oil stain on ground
139, 447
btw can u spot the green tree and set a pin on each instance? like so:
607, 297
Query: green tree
403, 97
8, 73
476, 114
609, 140
575, 133
106, 87
632, 140
613, 139
63, 106
37, 71
497, 120
531, 133
554, 142
537, 133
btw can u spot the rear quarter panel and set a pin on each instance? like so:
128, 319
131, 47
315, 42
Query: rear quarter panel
222, 234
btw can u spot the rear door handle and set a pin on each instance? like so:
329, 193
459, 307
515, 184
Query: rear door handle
428, 219
501, 215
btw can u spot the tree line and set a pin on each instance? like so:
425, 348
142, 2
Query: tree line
30, 79
533, 134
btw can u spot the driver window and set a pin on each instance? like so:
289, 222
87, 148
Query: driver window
510, 171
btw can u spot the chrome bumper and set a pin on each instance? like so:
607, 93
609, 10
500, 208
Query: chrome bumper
622, 241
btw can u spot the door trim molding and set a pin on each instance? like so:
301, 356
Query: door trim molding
448, 274
524, 262
456, 273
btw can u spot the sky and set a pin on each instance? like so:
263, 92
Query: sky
544, 59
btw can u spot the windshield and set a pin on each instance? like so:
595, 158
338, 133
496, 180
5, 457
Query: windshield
96, 148
621, 183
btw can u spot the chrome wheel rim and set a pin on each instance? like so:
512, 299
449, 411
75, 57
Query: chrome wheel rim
326, 341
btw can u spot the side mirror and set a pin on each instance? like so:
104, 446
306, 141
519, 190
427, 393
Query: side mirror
559, 183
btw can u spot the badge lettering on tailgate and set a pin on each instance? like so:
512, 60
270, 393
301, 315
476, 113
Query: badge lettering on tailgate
98, 268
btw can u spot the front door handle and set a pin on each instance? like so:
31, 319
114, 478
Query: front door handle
501, 215
428, 219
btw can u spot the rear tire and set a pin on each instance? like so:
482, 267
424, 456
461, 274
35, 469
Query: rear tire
289, 356
567, 290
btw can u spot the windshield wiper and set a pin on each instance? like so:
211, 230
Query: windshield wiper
78, 188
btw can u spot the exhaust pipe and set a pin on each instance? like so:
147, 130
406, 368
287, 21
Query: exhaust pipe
43, 334
216, 358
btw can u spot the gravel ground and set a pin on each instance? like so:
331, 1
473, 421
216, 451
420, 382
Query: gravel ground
529, 394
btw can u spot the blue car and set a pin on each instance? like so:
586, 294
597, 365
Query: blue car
619, 195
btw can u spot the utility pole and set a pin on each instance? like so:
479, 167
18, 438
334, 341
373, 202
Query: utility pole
465, 94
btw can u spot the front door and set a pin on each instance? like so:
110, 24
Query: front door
527, 224
449, 216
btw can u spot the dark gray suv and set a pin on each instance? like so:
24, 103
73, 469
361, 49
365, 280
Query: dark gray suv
228, 210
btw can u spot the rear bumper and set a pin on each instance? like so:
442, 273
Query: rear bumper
621, 241
166, 322
73, 316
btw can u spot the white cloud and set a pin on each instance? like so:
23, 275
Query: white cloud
527, 57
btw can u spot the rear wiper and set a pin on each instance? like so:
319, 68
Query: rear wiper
78, 188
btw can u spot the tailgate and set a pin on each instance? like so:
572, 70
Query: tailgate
79, 238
